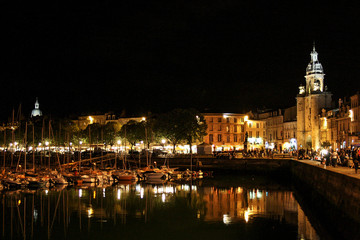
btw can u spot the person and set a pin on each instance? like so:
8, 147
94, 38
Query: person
356, 165
356, 162
334, 158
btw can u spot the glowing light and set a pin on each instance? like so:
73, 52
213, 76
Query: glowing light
351, 115
163, 141
225, 116
324, 152
118, 142
118, 194
19, 202
226, 219
142, 193
46, 192
80, 193
94, 194
90, 212
246, 118
325, 122
163, 197
246, 215
81, 142
47, 143
91, 119
103, 192
16, 143
143, 119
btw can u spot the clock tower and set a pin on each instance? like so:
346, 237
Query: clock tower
311, 99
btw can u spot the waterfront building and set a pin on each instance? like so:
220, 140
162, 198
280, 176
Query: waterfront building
340, 126
227, 131
103, 119
354, 115
312, 98
280, 128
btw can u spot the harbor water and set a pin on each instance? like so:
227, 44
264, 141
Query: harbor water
221, 207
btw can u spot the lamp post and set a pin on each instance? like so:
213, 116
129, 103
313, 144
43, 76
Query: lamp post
80, 143
246, 118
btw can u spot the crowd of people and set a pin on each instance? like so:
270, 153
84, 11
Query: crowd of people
333, 157
328, 157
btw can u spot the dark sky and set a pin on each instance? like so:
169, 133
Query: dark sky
139, 56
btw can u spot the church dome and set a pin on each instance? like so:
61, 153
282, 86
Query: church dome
36, 112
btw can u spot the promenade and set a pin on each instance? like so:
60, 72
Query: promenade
338, 169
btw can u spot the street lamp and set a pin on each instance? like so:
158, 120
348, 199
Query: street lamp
163, 141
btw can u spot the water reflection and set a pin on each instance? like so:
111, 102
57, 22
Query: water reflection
90, 212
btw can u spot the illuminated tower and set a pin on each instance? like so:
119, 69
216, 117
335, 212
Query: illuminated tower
311, 99
36, 112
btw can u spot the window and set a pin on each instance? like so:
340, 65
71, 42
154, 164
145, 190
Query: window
219, 127
227, 129
228, 138
211, 138
250, 124
235, 128
257, 134
264, 134
211, 128
250, 134
235, 120
228, 120
242, 128
219, 119
211, 119
235, 138
242, 120
219, 137
257, 125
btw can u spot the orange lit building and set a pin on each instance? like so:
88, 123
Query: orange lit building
226, 131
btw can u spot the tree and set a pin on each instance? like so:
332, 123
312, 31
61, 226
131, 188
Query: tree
110, 132
181, 125
133, 132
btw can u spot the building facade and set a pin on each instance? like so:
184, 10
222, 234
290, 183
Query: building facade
281, 128
227, 131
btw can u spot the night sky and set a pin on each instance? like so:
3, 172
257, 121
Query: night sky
140, 56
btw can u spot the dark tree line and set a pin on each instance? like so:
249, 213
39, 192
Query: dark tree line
179, 126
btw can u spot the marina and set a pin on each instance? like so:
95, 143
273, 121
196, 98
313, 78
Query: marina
228, 207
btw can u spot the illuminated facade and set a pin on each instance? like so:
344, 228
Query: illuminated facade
311, 99
339, 128
103, 119
36, 112
227, 131
280, 128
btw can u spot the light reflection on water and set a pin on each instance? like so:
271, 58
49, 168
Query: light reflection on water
90, 212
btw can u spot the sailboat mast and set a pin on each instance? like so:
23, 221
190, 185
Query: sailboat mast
49, 141
12, 137
25, 141
4, 147
33, 148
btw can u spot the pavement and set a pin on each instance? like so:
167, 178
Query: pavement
339, 169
